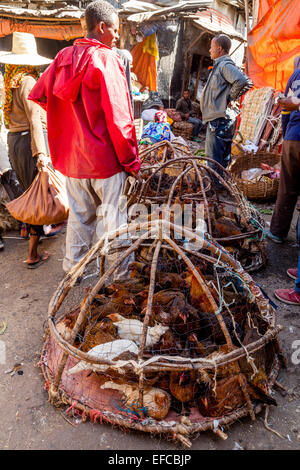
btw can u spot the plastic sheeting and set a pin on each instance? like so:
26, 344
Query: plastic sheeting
274, 43
264, 6
64, 32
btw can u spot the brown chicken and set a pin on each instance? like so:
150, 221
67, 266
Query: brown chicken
225, 370
183, 386
201, 296
164, 280
225, 227
168, 344
103, 332
200, 348
210, 328
166, 306
258, 388
226, 397
121, 297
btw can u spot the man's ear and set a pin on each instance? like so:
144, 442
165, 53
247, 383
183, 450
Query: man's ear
100, 27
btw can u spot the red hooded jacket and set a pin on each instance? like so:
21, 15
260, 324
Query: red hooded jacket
90, 125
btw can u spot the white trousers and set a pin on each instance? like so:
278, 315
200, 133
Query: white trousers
94, 211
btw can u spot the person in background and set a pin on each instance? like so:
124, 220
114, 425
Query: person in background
158, 130
291, 296
225, 83
8, 179
126, 59
91, 130
151, 106
289, 184
185, 108
26, 142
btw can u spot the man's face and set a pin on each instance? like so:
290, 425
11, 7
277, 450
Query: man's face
215, 50
109, 34
186, 95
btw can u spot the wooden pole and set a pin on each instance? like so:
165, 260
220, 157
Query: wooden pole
247, 15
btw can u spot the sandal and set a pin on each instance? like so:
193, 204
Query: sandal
42, 259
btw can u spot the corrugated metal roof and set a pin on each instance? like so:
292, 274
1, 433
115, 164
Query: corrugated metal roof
67, 13
179, 7
134, 6
213, 20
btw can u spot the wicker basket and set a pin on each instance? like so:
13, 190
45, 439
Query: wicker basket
258, 189
183, 129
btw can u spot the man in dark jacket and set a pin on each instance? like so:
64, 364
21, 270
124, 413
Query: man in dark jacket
185, 108
225, 83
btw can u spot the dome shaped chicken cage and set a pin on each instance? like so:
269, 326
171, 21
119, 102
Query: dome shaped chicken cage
176, 177
185, 343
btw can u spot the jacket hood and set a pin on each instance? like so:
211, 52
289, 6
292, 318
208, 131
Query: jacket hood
71, 66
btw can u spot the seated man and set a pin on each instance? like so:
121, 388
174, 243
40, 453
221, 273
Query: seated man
184, 107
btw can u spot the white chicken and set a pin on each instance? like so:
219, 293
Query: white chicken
132, 329
106, 351
156, 401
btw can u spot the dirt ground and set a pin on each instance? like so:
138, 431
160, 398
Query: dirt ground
28, 421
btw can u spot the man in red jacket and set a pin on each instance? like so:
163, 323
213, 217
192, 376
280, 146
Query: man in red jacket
91, 130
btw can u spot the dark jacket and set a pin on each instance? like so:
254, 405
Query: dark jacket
225, 83
184, 106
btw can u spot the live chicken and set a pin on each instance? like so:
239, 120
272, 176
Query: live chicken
155, 401
183, 386
132, 329
108, 352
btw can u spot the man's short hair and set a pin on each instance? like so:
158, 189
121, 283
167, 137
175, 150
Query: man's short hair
223, 41
99, 11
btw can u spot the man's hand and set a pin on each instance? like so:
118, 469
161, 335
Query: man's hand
135, 175
291, 103
42, 160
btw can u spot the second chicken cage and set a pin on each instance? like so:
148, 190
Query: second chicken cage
184, 343
175, 178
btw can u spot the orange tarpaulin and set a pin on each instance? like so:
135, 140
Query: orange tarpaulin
145, 55
58, 31
264, 6
273, 45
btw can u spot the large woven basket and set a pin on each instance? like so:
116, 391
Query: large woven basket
183, 129
257, 189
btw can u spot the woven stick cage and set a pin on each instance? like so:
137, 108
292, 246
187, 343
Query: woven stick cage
184, 344
161, 152
180, 178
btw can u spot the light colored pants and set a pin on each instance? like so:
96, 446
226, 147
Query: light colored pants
94, 211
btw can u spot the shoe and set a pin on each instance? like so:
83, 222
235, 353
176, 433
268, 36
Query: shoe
1, 244
288, 296
292, 273
274, 238
51, 230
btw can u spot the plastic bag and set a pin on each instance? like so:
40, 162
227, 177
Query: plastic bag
45, 202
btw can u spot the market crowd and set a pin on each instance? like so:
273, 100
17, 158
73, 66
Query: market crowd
79, 111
